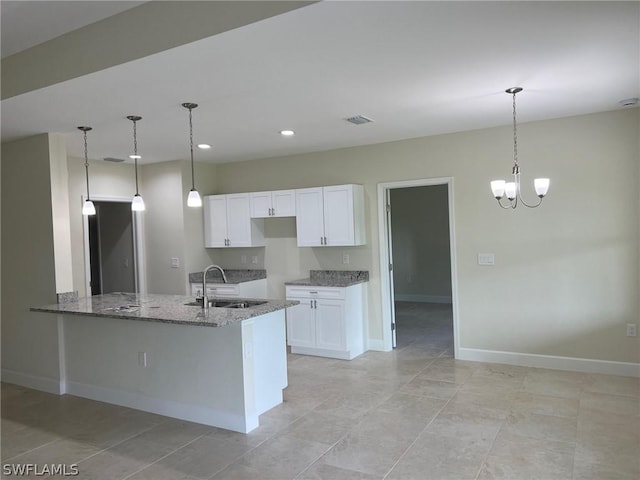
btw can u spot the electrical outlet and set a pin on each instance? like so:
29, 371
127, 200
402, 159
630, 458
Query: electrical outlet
175, 262
243, 259
631, 330
254, 259
486, 259
345, 259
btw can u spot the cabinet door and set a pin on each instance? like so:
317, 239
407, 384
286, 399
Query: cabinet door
261, 204
309, 217
283, 203
215, 220
301, 324
338, 215
238, 220
330, 324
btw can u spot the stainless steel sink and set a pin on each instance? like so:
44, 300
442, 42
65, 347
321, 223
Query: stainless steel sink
228, 303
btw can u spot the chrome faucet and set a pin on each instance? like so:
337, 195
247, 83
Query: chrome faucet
205, 299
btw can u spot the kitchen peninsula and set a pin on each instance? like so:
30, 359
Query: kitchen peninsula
162, 354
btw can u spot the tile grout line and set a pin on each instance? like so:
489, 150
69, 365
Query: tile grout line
163, 457
417, 436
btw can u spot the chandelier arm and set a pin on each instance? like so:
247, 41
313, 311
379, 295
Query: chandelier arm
506, 207
526, 204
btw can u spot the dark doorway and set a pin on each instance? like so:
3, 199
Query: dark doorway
421, 252
111, 248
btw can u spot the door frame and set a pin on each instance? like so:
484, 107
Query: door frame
386, 276
138, 245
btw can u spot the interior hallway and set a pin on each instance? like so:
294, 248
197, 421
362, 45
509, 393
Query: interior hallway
414, 413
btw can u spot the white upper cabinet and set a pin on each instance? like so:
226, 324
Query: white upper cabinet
330, 216
228, 222
279, 203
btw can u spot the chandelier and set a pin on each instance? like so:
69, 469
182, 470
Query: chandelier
511, 190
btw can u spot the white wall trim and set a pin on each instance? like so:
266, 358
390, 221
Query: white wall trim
376, 344
419, 298
169, 408
49, 385
586, 365
385, 275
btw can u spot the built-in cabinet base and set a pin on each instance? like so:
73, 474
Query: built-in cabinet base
328, 321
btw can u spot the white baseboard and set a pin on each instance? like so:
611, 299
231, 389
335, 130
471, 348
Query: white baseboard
49, 385
416, 297
586, 365
169, 408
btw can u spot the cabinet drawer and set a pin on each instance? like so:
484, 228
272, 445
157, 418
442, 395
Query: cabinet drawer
217, 289
337, 293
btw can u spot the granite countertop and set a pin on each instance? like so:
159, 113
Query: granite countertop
233, 276
162, 308
332, 278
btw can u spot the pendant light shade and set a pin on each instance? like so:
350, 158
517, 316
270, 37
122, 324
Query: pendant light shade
193, 199
137, 203
511, 190
88, 208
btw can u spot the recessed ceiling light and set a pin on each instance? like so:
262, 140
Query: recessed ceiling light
287, 133
204, 146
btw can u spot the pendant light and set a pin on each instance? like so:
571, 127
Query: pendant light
137, 204
88, 208
511, 190
193, 200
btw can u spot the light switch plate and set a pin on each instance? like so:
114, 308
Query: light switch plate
486, 259
175, 262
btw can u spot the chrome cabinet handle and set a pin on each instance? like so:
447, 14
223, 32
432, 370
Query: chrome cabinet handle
315, 304
325, 240
311, 303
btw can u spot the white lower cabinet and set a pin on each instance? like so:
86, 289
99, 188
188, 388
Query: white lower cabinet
328, 321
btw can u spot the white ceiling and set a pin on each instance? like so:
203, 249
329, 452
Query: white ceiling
415, 68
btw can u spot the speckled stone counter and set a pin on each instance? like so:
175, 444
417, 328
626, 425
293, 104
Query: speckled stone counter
233, 276
333, 278
161, 308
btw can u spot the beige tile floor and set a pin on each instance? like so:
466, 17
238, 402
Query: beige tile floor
414, 413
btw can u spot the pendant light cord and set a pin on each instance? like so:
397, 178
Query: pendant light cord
135, 153
515, 137
86, 163
193, 181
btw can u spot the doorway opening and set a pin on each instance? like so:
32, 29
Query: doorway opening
113, 253
417, 261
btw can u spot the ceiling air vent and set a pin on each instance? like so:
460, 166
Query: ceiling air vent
358, 120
